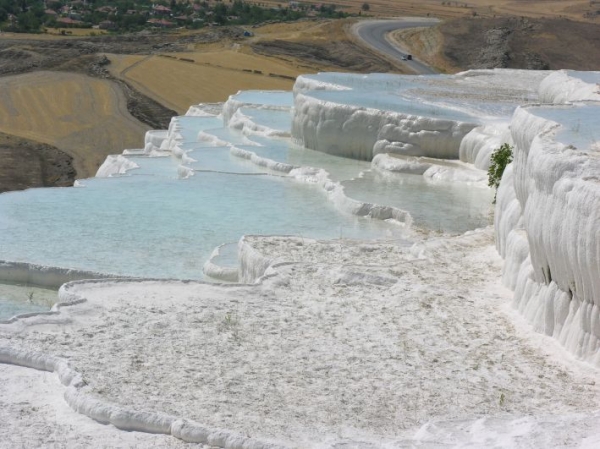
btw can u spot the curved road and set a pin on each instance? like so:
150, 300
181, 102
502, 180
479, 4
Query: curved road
373, 32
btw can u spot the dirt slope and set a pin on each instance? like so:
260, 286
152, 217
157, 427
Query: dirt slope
511, 42
47, 166
522, 43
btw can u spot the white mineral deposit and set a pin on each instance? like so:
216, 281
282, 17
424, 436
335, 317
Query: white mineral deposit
320, 268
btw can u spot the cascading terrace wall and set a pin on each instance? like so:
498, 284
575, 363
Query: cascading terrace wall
362, 133
547, 224
547, 218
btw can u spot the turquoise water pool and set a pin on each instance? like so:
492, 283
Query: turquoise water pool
162, 221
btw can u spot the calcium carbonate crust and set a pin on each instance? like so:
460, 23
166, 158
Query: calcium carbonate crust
245, 125
126, 419
79, 399
547, 217
361, 133
41, 276
478, 145
231, 106
564, 86
114, 166
219, 272
430, 169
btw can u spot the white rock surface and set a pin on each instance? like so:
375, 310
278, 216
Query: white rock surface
115, 165
353, 131
547, 218
244, 124
350, 344
565, 86
477, 147
343, 344
231, 106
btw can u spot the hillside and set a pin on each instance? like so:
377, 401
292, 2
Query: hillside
506, 42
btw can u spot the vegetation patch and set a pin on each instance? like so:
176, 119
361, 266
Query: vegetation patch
501, 157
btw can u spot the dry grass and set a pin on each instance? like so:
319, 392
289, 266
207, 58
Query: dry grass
318, 31
76, 31
301, 30
236, 60
85, 117
211, 77
53, 34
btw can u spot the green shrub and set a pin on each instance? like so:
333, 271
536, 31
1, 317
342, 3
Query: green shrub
501, 157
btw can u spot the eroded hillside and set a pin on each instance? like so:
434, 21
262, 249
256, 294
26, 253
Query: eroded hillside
508, 42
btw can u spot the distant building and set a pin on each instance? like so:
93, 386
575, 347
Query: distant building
107, 25
68, 22
107, 9
160, 23
161, 10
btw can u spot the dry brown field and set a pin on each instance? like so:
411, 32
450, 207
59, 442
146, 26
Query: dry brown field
212, 72
85, 117
75, 31
178, 80
54, 33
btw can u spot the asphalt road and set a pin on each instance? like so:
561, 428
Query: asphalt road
373, 32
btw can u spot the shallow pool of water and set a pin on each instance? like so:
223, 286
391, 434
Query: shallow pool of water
579, 123
270, 98
152, 223
19, 299
439, 206
162, 227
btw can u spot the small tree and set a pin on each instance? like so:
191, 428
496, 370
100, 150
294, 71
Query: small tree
366, 6
501, 157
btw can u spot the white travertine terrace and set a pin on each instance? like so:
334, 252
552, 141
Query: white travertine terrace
444, 293
445, 117
115, 165
477, 146
361, 133
548, 216
548, 210
566, 85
